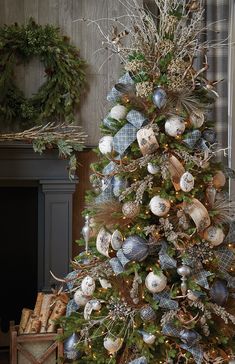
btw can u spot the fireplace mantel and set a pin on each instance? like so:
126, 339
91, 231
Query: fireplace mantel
21, 166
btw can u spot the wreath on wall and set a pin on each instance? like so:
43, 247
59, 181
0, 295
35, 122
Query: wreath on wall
64, 69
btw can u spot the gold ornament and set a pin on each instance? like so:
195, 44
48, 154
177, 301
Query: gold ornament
144, 89
219, 180
130, 209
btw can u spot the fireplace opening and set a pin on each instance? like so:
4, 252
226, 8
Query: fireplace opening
19, 251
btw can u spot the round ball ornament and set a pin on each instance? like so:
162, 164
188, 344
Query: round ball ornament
209, 135
174, 126
214, 235
159, 97
70, 350
80, 299
112, 345
135, 248
88, 286
219, 292
147, 337
155, 283
118, 112
130, 209
187, 182
197, 118
219, 180
106, 144
159, 206
148, 314
152, 169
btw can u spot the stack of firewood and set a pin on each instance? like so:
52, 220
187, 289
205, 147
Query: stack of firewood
48, 308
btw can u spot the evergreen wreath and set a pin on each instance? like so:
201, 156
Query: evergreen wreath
64, 70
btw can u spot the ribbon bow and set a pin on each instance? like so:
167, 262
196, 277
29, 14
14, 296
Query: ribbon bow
114, 94
194, 139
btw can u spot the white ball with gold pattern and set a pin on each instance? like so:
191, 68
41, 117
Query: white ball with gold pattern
187, 182
175, 126
106, 144
155, 282
214, 235
159, 206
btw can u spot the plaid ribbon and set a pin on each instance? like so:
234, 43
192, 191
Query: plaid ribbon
193, 140
114, 94
200, 277
225, 258
231, 234
71, 279
141, 360
105, 195
165, 301
116, 266
230, 279
127, 134
166, 261
229, 172
196, 352
71, 307
171, 330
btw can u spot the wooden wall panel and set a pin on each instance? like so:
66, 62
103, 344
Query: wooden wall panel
64, 13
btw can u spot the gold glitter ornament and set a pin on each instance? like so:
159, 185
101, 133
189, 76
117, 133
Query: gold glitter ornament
130, 209
134, 66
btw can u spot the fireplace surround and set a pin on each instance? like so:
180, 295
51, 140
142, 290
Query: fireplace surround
21, 166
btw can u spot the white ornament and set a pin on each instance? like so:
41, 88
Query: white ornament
159, 206
88, 286
103, 241
93, 305
197, 118
174, 126
187, 182
155, 283
118, 112
148, 338
112, 345
80, 299
117, 240
106, 144
152, 169
105, 283
214, 235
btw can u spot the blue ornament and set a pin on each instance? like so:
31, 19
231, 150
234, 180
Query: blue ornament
147, 313
219, 292
209, 135
159, 97
70, 350
135, 248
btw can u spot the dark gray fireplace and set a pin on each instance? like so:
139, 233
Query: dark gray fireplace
21, 166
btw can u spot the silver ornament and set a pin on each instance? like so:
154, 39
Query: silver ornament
92, 305
152, 169
86, 232
147, 338
112, 345
159, 97
135, 248
103, 241
130, 209
80, 299
184, 271
147, 313
219, 292
175, 126
70, 350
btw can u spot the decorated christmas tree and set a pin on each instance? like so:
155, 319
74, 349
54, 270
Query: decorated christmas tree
156, 283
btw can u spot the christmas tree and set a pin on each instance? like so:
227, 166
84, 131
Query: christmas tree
156, 284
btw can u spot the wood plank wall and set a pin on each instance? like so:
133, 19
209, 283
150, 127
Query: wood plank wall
94, 106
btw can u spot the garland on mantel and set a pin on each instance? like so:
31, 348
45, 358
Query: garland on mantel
64, 69
68, 139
